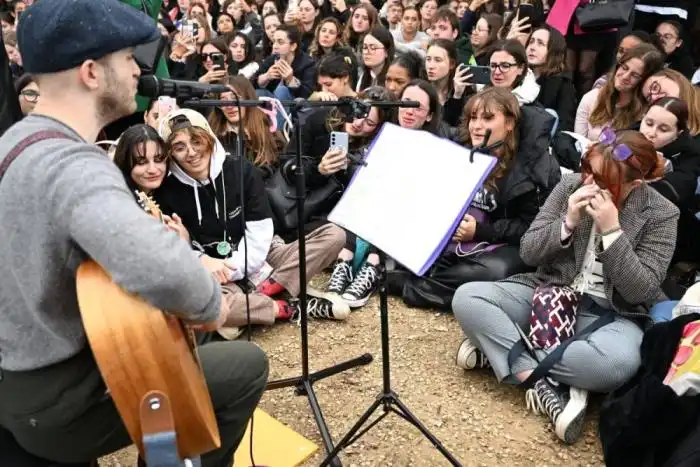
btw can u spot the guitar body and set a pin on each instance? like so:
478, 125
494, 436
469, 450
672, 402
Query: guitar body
140, 349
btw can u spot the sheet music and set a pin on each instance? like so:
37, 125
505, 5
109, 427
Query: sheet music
411, 195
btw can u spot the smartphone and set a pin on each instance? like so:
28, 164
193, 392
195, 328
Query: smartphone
480, 74
339, 139
526, 10
218, 60
166, 105
186, 27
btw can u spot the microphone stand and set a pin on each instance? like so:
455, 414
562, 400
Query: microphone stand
303, 384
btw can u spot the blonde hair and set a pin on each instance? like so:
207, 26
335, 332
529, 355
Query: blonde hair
688, 94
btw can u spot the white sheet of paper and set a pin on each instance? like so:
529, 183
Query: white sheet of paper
411, 195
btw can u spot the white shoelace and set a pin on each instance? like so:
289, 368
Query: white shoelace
319, 308
532, 402
550, 406
341, 274
364, 280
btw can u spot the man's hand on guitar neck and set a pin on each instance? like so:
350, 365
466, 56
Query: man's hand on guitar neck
175, 224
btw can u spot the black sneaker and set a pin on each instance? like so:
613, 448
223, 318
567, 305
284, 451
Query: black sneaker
469, 357
341, 277
565, 407
323, 306
363, 286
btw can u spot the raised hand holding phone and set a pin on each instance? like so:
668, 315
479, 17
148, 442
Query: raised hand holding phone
461, 80
335, 160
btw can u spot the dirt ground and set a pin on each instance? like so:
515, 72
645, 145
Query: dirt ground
480, 422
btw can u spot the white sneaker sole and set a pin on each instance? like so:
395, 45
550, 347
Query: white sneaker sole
466, 355
570, 423
341, 310
356, 302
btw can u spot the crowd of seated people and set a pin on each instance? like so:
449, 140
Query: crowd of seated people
608, 229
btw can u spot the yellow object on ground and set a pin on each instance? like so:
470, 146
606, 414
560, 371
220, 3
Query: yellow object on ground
274, 444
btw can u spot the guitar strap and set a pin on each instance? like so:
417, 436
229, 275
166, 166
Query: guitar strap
25, 143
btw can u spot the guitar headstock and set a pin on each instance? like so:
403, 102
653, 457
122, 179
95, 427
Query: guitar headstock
149, 205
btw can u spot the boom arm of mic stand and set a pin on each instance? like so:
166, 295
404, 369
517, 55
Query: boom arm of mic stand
295, 104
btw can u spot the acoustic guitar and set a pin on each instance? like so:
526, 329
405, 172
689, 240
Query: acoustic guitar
139, 349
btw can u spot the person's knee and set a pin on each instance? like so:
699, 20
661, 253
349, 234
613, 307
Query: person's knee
258, 365
623, 367
236, 369
333, 238
605, 372
469, 302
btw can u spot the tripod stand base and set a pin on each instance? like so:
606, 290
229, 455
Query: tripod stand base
304, 387
389, 402
298, 381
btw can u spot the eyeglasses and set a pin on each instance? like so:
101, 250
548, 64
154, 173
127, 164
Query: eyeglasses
372, 48
30, 95
280, 42
620, 152
504, 67
210, 56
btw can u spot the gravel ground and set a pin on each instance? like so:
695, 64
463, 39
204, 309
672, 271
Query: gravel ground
480, 422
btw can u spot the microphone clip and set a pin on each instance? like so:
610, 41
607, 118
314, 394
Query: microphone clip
482, 147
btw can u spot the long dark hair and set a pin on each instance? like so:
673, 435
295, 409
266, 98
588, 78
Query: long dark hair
233, 66
387, 40
131, 145
339, 63
336, 118
678, 108
433, 126
556, 52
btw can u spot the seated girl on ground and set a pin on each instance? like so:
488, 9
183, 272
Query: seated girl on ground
609, 236
485, 244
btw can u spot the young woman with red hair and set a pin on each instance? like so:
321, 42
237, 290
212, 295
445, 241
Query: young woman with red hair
607, 236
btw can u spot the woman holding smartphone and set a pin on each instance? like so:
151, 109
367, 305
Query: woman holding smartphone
324, 162
289, 72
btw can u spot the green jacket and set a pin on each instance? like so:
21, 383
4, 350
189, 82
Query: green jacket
465, 52
152, 7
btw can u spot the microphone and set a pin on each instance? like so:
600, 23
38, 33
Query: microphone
152, 86
481, 147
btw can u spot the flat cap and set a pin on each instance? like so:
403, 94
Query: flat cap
57, 35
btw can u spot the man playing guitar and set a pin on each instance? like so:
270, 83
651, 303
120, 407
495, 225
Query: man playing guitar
63, 201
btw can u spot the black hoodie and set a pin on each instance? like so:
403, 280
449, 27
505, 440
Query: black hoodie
679, 185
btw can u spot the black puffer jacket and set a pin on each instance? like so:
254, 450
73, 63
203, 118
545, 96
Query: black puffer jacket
557, 92
644, 423
528, 182
10, 111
